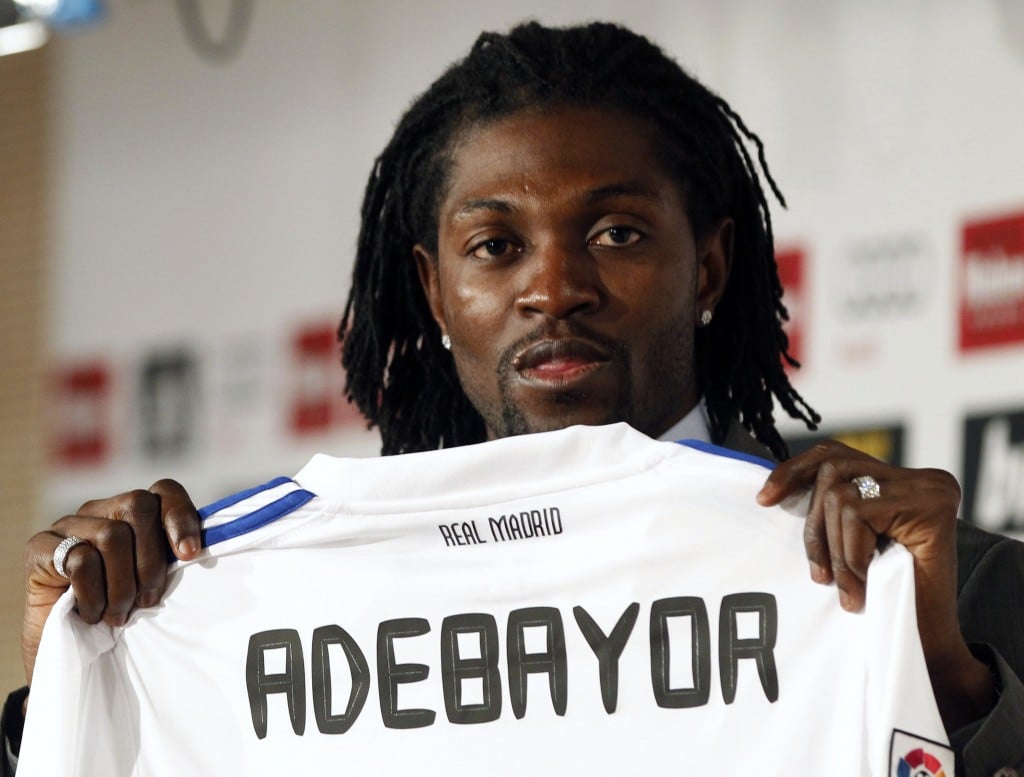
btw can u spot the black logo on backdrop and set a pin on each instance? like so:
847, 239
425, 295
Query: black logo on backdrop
168, 400
882, 442
994, 470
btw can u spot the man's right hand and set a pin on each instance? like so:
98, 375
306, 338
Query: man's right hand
121, 565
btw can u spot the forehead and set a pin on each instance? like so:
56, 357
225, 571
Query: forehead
556, 151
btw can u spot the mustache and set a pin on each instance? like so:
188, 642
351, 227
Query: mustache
557, 331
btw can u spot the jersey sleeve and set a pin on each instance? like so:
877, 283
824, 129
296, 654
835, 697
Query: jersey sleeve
252, 516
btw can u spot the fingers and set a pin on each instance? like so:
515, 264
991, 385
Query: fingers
160, 516
86, 571
850, 543
803, 470
841, 532
122, 563
102, 570
843, 529
146, 562
180, 518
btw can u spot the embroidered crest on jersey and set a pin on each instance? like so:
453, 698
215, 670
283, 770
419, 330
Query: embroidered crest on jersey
250, 509
914, 756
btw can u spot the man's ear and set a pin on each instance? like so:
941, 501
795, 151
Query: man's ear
429, 272
714, 263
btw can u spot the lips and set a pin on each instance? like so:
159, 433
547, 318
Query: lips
560, 360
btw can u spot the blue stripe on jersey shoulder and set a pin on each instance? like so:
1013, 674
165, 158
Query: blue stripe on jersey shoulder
261, 517
234, 499
718, 450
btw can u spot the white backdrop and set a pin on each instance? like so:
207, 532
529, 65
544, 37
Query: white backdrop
208, 211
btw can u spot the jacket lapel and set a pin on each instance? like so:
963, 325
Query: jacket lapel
738, 439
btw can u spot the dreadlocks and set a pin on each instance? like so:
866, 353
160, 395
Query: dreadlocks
399, 375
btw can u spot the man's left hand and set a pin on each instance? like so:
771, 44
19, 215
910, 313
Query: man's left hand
916, 508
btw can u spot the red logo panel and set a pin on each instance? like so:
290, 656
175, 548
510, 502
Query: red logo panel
317, 401
81, 432
791, 264
992, 282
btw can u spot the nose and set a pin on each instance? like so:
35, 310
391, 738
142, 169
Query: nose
558, 282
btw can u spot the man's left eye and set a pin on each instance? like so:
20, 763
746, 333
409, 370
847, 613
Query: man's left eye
616, 236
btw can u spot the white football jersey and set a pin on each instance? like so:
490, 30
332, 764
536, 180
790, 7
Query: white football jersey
587, 601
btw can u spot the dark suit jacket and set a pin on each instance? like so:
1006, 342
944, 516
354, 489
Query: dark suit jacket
990, 603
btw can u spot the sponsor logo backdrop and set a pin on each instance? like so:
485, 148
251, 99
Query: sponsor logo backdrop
210, 309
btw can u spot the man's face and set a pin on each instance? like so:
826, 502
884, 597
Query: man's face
567, 274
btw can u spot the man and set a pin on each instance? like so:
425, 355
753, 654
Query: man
568, 229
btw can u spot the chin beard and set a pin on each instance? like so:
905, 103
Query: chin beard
514, 420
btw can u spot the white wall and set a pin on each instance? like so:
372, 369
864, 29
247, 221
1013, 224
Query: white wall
215, 206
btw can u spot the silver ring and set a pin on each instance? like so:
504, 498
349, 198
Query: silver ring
60, 553
868, 487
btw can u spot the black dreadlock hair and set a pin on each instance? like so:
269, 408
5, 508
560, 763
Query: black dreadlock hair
399, 375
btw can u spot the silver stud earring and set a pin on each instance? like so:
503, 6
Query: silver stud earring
705, 317
446, 341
